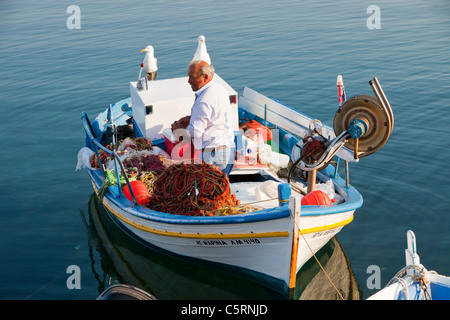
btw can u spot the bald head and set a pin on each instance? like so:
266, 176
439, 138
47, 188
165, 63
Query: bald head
202, 67
200, 73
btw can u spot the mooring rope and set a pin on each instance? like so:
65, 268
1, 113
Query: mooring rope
420, 275
303, 236
315, 257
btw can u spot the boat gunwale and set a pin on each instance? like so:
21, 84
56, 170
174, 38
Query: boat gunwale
281, 212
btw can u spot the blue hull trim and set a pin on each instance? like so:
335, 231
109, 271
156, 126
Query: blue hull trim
354, 202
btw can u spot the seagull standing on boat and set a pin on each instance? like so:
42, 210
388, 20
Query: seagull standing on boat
201, 53
149, 63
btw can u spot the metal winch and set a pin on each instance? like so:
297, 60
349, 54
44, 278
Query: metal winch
362, 124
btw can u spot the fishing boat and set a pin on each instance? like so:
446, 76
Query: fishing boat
414, 281
288, 198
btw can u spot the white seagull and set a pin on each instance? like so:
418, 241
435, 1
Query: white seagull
149, 63
201, 53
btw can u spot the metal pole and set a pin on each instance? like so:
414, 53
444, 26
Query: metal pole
118, 161
311, 180
347, 174
386, 101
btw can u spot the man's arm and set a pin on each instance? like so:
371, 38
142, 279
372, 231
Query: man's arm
182, 123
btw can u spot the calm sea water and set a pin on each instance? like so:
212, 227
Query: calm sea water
289, 50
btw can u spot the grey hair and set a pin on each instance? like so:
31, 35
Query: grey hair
206, 69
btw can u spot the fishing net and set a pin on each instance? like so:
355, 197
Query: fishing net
193, 189
122, 147
176, 187
144, 161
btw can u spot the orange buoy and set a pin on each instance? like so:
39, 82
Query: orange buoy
252, 129
140, 191
316, 198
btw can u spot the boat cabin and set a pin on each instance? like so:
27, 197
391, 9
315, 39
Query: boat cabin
157, 104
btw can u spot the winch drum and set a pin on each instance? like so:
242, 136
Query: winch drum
374, 114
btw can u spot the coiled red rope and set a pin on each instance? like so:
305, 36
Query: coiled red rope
192, 189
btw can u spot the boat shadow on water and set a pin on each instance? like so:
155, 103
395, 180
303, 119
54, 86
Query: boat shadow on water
124, 260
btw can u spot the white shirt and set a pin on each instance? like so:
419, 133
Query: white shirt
210, 124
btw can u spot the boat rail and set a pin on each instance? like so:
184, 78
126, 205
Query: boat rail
93, 142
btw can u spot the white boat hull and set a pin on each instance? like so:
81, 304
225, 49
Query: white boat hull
414, 281
269, 252
438, 288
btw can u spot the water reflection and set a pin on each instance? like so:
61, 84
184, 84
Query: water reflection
118, 258
338, 283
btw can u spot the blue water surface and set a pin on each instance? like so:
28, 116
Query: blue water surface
288, 50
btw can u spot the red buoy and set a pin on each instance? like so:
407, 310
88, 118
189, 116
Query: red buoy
140, 191
316, 198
